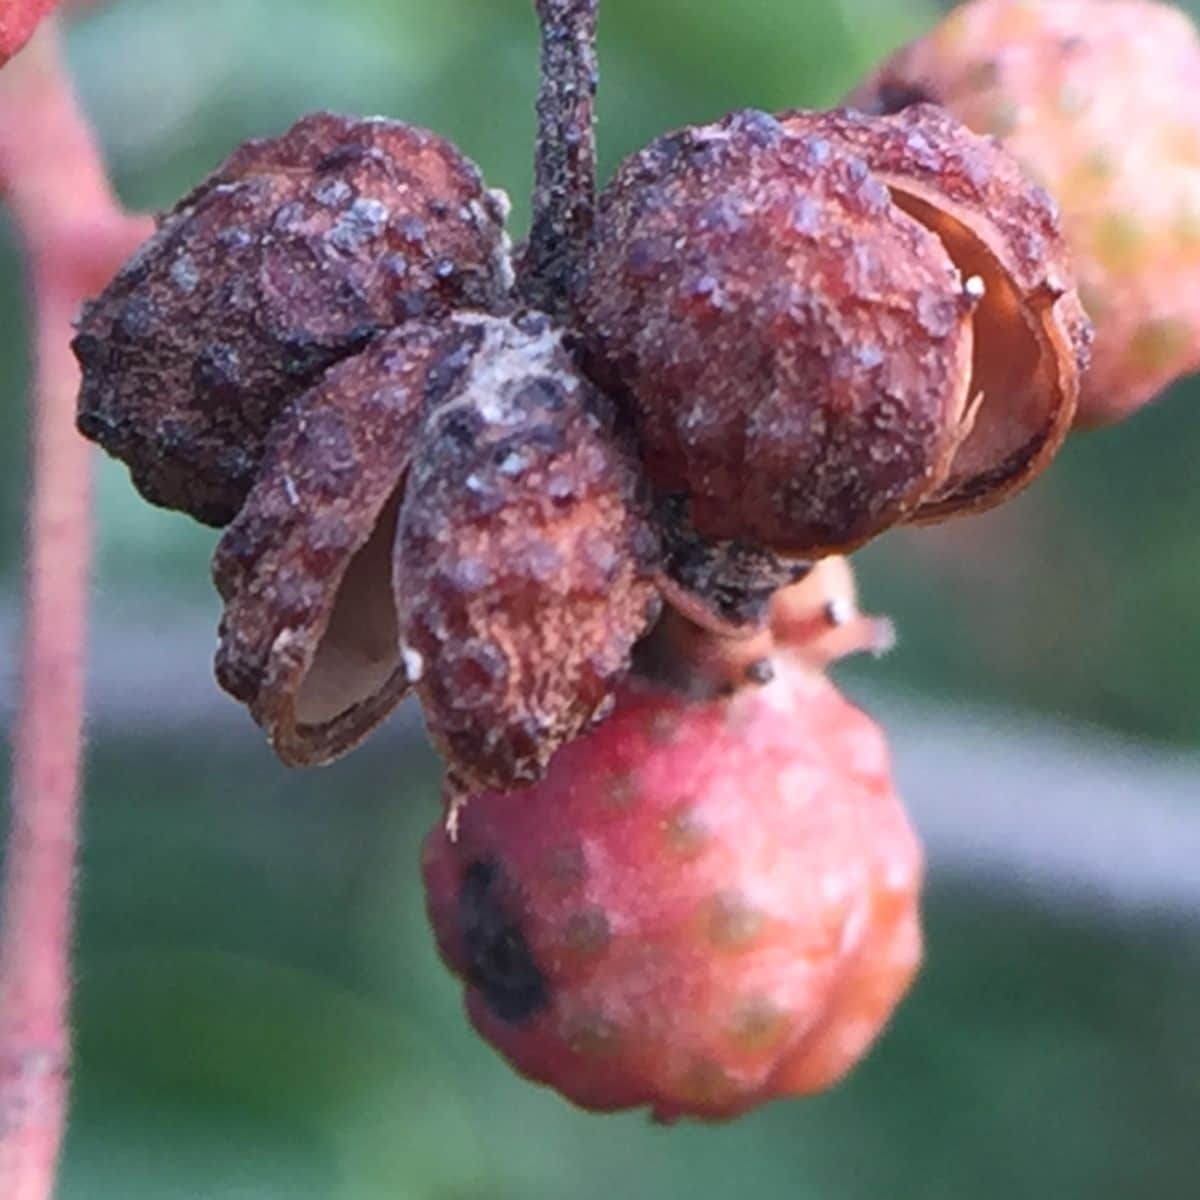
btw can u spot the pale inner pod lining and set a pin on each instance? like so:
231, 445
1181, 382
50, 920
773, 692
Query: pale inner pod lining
359, 652
1014, 394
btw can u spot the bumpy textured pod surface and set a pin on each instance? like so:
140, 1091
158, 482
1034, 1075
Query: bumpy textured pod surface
293, 255
524, 557
1098, 100
795, 347
1004, 233
309, 636
702, 907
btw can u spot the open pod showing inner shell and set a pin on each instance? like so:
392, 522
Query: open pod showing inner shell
793, 348
309, 639
1003, 233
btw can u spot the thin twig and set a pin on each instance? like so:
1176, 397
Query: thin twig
74, 236
565, 165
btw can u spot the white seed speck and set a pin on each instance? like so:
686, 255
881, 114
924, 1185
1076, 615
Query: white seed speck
414, 663
840, 611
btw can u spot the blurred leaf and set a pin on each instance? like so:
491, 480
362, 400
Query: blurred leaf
260, 1080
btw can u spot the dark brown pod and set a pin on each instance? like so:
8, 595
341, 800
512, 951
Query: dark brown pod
795, 347
291, 256
1004, 234
309, 638
524, 560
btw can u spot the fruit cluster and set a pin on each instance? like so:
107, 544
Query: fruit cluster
573, 497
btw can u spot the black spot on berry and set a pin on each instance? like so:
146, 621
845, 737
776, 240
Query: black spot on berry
499, 961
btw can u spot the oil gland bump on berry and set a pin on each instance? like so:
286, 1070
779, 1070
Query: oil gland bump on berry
524, 558
290, 257
1003, 232
703, 906
1097, 99
795, 346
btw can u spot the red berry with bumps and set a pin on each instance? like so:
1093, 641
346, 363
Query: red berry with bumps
702, 907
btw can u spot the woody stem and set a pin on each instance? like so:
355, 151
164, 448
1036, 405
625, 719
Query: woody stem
565, 163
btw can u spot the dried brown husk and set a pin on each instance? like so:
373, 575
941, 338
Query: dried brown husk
291, 256
309, 638
1004, 234
524, 559
794, 347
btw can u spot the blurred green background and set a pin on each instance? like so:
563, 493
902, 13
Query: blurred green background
260, 1013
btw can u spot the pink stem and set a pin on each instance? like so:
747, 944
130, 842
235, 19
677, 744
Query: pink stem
74, 236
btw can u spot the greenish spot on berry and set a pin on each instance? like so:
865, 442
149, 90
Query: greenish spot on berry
1098, 166
1158, 344
1003, 119
1119, 241
592, 1034
732, 922
685, 832
707, 1084
565, 866
587, 933
620, 791
758, 1024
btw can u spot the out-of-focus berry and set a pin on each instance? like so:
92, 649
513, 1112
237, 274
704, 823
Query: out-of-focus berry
1098, 99
702, 907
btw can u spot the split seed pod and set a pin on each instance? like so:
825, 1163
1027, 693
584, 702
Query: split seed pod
291, 256
1004, 234
524, 558
1097, 99
309, 638
796, 348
